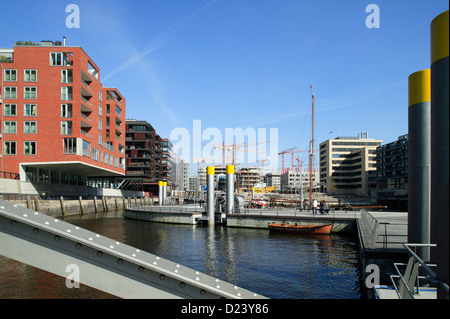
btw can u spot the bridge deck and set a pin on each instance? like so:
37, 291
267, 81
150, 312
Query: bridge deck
105, 264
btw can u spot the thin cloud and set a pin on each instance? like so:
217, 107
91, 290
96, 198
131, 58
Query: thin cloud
339, 102
165, 37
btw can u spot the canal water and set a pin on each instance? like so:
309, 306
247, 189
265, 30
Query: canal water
280, 266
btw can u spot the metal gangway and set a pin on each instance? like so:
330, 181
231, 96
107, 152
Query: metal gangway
408, 283
105, 264
409, 286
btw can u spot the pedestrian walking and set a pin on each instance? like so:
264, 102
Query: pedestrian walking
325, 208
314, 207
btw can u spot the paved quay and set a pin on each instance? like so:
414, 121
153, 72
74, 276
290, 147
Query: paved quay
387, 233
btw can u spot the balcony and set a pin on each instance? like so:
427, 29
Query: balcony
6, 55
86, 117
85, 133
138, 173
112, 96
92, 70
85, 100
86, 80
85, 93
118, 123
118, 135
107, 146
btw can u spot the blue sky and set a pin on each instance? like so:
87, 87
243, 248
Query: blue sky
247, 63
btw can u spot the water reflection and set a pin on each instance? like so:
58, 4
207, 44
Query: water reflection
275, 265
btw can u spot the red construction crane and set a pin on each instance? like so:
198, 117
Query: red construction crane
292, 159
262, 164
282, 156
234, 148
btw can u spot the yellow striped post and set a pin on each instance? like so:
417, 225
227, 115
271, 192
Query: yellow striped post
440, 145
419, 160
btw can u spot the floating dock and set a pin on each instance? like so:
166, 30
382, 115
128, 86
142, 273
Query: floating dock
250, 218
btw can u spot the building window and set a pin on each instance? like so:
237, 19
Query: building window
30, 93
10, 75
100, 96
10, 110
64, 178
10, 128
95, 154
66, 93
81, 181
10, 148
86, 149
30, 110
66, 110
29, 127
43, 176
10, 92
66, 76
66, 127
30, 76
59, 59
54, 177
118, 111
72, 179
100, 110
70, 146
29, 148
31, 174
99, 125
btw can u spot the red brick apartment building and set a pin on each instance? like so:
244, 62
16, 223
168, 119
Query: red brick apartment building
59, 125
148, 157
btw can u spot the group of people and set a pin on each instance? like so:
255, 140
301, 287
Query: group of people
323, 207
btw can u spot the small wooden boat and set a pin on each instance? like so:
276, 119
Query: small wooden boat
301, 229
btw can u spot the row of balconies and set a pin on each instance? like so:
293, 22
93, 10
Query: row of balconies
391, 161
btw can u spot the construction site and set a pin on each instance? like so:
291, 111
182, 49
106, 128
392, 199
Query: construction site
343, 186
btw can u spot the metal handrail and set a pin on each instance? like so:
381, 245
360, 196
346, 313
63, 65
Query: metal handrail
9, 175
371, 223
167, 209
412, 253
432, 277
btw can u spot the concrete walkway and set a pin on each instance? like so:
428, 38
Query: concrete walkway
391, 233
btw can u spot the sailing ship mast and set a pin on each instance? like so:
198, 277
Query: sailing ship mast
311, 153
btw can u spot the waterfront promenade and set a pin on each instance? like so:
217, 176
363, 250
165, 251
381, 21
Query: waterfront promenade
391, 233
